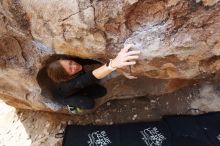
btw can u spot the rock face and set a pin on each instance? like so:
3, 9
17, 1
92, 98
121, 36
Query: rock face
179, 43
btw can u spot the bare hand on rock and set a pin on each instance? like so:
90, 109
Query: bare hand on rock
129, 76
125, 57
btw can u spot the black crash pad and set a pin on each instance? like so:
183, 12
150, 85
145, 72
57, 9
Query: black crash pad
202, 130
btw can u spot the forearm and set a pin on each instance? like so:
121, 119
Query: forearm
122, 59
101, 72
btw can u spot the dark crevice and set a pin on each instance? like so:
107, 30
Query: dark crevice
20, 16
46, 83
12, 52
64, 31
66, 18
22, 51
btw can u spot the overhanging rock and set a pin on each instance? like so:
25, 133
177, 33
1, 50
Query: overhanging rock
179, 43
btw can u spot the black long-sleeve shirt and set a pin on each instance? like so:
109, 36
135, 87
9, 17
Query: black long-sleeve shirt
76, 91
75, 85
66, 89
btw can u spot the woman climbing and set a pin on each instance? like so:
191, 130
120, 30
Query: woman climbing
75, 87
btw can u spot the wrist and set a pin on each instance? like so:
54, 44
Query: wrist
109, 65
113, 64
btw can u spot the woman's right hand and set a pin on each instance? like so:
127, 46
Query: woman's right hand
124, 57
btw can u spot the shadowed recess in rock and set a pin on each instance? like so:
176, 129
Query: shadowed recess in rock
45, 82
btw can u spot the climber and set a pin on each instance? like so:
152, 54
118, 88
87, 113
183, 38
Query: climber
76, 88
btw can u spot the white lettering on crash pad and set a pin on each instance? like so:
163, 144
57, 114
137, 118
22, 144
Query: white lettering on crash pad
218, 137
152, 137
98, 139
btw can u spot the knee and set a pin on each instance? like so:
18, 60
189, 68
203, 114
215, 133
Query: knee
103, 91
87, 104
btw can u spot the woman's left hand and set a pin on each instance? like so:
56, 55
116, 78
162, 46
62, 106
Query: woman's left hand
129, 76
125, 57
126, 74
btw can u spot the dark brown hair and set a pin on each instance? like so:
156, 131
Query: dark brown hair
56, 72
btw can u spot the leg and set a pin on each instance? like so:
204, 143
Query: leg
85, 98
94, 91
79, 101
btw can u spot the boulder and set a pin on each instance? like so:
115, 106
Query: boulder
179, 43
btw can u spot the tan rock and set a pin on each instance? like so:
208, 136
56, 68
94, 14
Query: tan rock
210, 2
179, 43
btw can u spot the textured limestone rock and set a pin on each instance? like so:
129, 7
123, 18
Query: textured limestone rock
179, 43
209, 98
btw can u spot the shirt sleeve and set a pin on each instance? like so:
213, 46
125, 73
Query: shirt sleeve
83, 80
